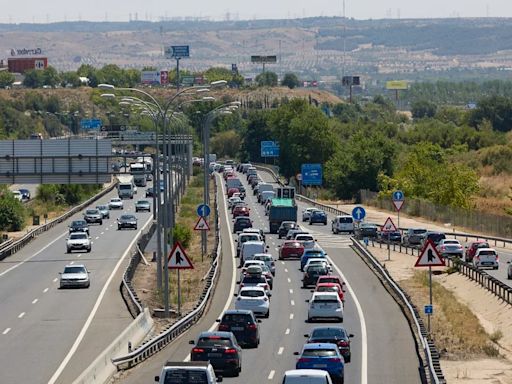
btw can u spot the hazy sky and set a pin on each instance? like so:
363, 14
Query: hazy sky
122, 10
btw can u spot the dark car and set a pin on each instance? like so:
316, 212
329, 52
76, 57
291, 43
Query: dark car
93, 216
285, 227
390, 236
25, 194
127, 221
312, 274
367, 230
473, 247
150, 192
240, 223
334, 335
318, 217
413, 236
435, 237
79, 226
243, 324
220, 349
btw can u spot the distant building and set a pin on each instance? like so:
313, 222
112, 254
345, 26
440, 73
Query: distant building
22, 64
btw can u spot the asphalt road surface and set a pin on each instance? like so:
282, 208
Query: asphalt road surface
49, 335
383, 349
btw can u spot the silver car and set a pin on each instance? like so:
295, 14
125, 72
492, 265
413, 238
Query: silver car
450, 247
75, 276
104, 210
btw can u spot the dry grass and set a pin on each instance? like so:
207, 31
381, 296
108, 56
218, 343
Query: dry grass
456, 330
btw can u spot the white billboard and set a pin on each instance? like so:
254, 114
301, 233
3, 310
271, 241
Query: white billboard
150, 77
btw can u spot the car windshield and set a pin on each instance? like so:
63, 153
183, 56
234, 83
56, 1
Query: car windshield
75, 236
78, 223
214, 341
115, 200
142, 202
185, 376
328, 333
319, 352
74, 270
91, 211
252, 293
102, 207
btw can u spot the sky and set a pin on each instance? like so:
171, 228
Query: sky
37, 11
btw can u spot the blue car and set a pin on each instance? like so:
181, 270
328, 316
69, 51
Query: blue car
310, 253
324, 356
318, 217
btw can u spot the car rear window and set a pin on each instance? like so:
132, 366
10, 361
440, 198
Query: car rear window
330, 280
214, 341
345, 220
314, 253
237, 318
331, 332
252, 293
185, 376
487, 253
76, 236
319, 352
419, 231
254, 280
334, 288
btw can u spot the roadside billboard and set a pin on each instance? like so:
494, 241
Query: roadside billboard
396, 84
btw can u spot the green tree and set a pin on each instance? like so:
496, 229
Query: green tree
423, 108
33, 78
495, 109
70, 79
6, 79
12, 213
51, 77
226, 144
290, 80
267, 79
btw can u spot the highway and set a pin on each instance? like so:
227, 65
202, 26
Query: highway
48, 335
383, 349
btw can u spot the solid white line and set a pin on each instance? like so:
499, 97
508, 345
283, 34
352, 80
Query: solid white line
287, 332
21, 315
6, 331
34, 255
291, 316
271, 374
88, 322
364, 334
292, 303
280, 351
35, 301
46, 290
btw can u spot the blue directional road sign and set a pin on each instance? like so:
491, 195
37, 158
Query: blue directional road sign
398, 196
87, 124
429, 309
177, 51
358, 213
269, 149
203, 210
311, 174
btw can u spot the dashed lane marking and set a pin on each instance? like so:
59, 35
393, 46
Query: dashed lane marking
46, 290
271, 375
6, 331
287, 332
35, 301
280, 351
21, 315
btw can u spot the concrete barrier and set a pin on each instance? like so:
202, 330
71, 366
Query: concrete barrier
101, 369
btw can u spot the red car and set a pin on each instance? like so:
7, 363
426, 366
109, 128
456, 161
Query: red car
471, 249
290, 249
232, 190
241, 210
331, 279
330, 287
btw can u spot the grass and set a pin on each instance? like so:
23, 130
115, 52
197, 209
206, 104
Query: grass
456, 331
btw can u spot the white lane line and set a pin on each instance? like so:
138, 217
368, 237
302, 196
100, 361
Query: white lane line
21, 315
35, 301
88, 322
287, 332
106, 229
102, 233
72, 262
292, 303
282, 262
79, 255
97, 237
34, 255
56, 279
271, 374
289, 280
364, 334
286, 269
7, 330
46, 290
291, 291
291, 316
280, 351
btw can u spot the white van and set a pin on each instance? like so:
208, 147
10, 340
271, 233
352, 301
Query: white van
250, 248
343, 223
306, 376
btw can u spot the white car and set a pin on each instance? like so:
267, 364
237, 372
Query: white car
306, 214
307, 376
268, 260
75, 276
325, 305
254, 299
233, 200
17, 195
318, 261
78, 241
115, 203
486, 257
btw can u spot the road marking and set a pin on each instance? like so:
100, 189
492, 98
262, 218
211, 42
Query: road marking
35, 301
88, 322
56, 279
291, 291
72, 263
21, 315
287, 332
79, 255
286, 270
271, 374
34, 255
282, 262
292, 302
6, 331
364, 335
102, 233
289, 280
97, 237
46, 290
280, 351
291, 316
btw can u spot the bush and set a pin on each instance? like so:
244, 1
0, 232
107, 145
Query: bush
182, 234
12, 213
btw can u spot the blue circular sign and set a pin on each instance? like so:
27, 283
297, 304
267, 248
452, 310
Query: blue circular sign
358, 213
203, 210
398, 196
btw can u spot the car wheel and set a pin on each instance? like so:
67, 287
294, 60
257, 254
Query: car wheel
267, 315
88, 285
347, 359
88, 250
309, 320
101, 222
279, 236
340, 319
118, 227
509, 276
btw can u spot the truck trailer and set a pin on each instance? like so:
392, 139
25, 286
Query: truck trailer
281, 210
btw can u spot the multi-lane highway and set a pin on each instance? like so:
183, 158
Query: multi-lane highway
383, 349
48, 335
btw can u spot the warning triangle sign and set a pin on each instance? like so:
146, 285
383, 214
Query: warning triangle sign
398, 204
389, 226
429, 257
178, 259
201, 225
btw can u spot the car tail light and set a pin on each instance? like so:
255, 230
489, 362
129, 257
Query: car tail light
266, 286
343, 344
497, 257
197, 350
304, 360
223, 327
230, 351
252, 326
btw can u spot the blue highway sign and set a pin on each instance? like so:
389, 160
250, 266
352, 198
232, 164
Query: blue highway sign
90, 124
177, 51
203, 210
398, 196
311, 174
429, 309
358, 213
269, 149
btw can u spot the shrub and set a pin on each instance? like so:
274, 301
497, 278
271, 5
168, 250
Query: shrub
12, 213
183, 234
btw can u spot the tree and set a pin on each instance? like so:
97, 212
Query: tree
267, 79
70, 79
12, 213
290, 80
50, 77
226, 144
6, 79
33, 78
423, 108
495, 109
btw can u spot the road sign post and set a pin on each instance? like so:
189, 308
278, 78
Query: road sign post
429, 257
203, 210
178, 259
398, 200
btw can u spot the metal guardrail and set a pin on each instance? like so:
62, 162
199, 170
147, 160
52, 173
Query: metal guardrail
428, 347
15, 246
154, 345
